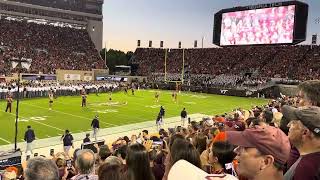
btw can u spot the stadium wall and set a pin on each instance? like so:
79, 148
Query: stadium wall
74, 75
288, 90
210, 90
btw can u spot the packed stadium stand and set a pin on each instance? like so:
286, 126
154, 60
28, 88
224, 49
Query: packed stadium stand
63, 47
266, 61
51, 35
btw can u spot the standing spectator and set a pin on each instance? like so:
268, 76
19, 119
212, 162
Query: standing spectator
29, 137
41, 169
85, 166
183, 116
304, 134
95, 126
138, 163
262, 152
67, 139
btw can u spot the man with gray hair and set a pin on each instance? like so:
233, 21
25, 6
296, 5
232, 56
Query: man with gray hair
41, 169
85, 165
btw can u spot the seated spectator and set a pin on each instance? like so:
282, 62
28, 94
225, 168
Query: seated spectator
263, 152
41, 169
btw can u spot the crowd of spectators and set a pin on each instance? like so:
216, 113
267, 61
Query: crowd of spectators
298, 62
47, 47
277, 141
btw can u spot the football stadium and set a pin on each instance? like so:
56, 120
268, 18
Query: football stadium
79, 102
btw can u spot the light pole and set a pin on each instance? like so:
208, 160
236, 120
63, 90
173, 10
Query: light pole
105, 54
203, 38
18, 62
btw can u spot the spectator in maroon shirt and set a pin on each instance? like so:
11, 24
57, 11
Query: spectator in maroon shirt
304, 134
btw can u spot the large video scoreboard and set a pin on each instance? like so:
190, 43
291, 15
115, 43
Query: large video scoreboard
275, 23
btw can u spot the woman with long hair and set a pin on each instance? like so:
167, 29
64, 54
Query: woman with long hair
138, 163
183, 149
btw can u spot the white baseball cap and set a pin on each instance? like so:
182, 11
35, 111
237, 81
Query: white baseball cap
185, 170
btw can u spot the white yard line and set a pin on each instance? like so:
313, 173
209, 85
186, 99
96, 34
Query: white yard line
5, 140
44, 124
71, 114
47, 125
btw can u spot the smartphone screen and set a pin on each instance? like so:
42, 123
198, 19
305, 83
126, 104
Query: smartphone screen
157, 144
51, 152
69, 163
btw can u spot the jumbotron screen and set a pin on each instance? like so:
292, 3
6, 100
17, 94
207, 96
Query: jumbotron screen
280, 23
258, 26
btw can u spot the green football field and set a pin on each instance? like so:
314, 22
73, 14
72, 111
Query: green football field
123, 109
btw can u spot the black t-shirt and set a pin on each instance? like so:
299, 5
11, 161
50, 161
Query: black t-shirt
85, 140
67, 140
183, 114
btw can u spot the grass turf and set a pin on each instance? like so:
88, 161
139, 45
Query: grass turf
123, 109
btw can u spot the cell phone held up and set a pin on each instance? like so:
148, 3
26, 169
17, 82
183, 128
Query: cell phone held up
69, 163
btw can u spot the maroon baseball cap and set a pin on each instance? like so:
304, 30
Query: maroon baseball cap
267, 139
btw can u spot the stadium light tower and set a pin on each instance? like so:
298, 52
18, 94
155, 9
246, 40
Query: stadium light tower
19, 63
203, 38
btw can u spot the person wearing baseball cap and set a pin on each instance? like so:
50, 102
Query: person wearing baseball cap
95, 126
262, 152
304, 134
